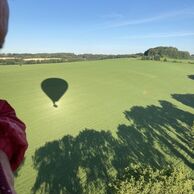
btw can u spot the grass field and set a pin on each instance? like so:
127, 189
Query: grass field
147, 106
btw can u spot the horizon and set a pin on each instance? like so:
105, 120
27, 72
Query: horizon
99, 27
34, 53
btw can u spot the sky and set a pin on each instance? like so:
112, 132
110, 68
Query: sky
99, 26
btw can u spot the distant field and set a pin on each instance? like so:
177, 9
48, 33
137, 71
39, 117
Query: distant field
146, 105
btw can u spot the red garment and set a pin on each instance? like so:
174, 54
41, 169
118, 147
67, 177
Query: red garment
12, 135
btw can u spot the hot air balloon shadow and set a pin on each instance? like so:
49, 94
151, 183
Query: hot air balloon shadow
54, 88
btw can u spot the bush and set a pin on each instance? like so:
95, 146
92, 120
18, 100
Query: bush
146, 180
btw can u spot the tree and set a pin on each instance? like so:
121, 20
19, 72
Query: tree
146, 180
170, 52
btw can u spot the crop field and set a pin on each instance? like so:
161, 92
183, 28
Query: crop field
107, 114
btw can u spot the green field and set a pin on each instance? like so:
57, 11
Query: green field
146, 105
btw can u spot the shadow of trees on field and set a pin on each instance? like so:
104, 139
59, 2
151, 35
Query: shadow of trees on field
88, 162
61, 163
186, 99
191, 77
167, 126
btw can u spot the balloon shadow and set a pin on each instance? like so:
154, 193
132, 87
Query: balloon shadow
54, 88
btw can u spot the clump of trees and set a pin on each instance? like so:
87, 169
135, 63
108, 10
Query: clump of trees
169, 52
10, 61
146, 180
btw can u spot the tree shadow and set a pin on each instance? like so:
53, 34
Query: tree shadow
54, 88
186, 99
191, 77
72, 163
88, 162
167, 127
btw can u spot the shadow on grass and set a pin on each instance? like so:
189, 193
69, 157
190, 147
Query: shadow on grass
191, 77
54, 88
88, 162
186, 99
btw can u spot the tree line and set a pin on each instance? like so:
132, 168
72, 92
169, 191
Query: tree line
28, 58
157, 53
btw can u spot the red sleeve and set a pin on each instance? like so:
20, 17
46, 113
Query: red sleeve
12, 135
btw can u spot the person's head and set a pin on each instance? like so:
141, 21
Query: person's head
4, 16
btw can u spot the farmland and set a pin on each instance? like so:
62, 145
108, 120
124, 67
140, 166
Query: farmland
113, 112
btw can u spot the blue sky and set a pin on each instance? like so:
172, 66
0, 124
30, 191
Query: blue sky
99, 26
